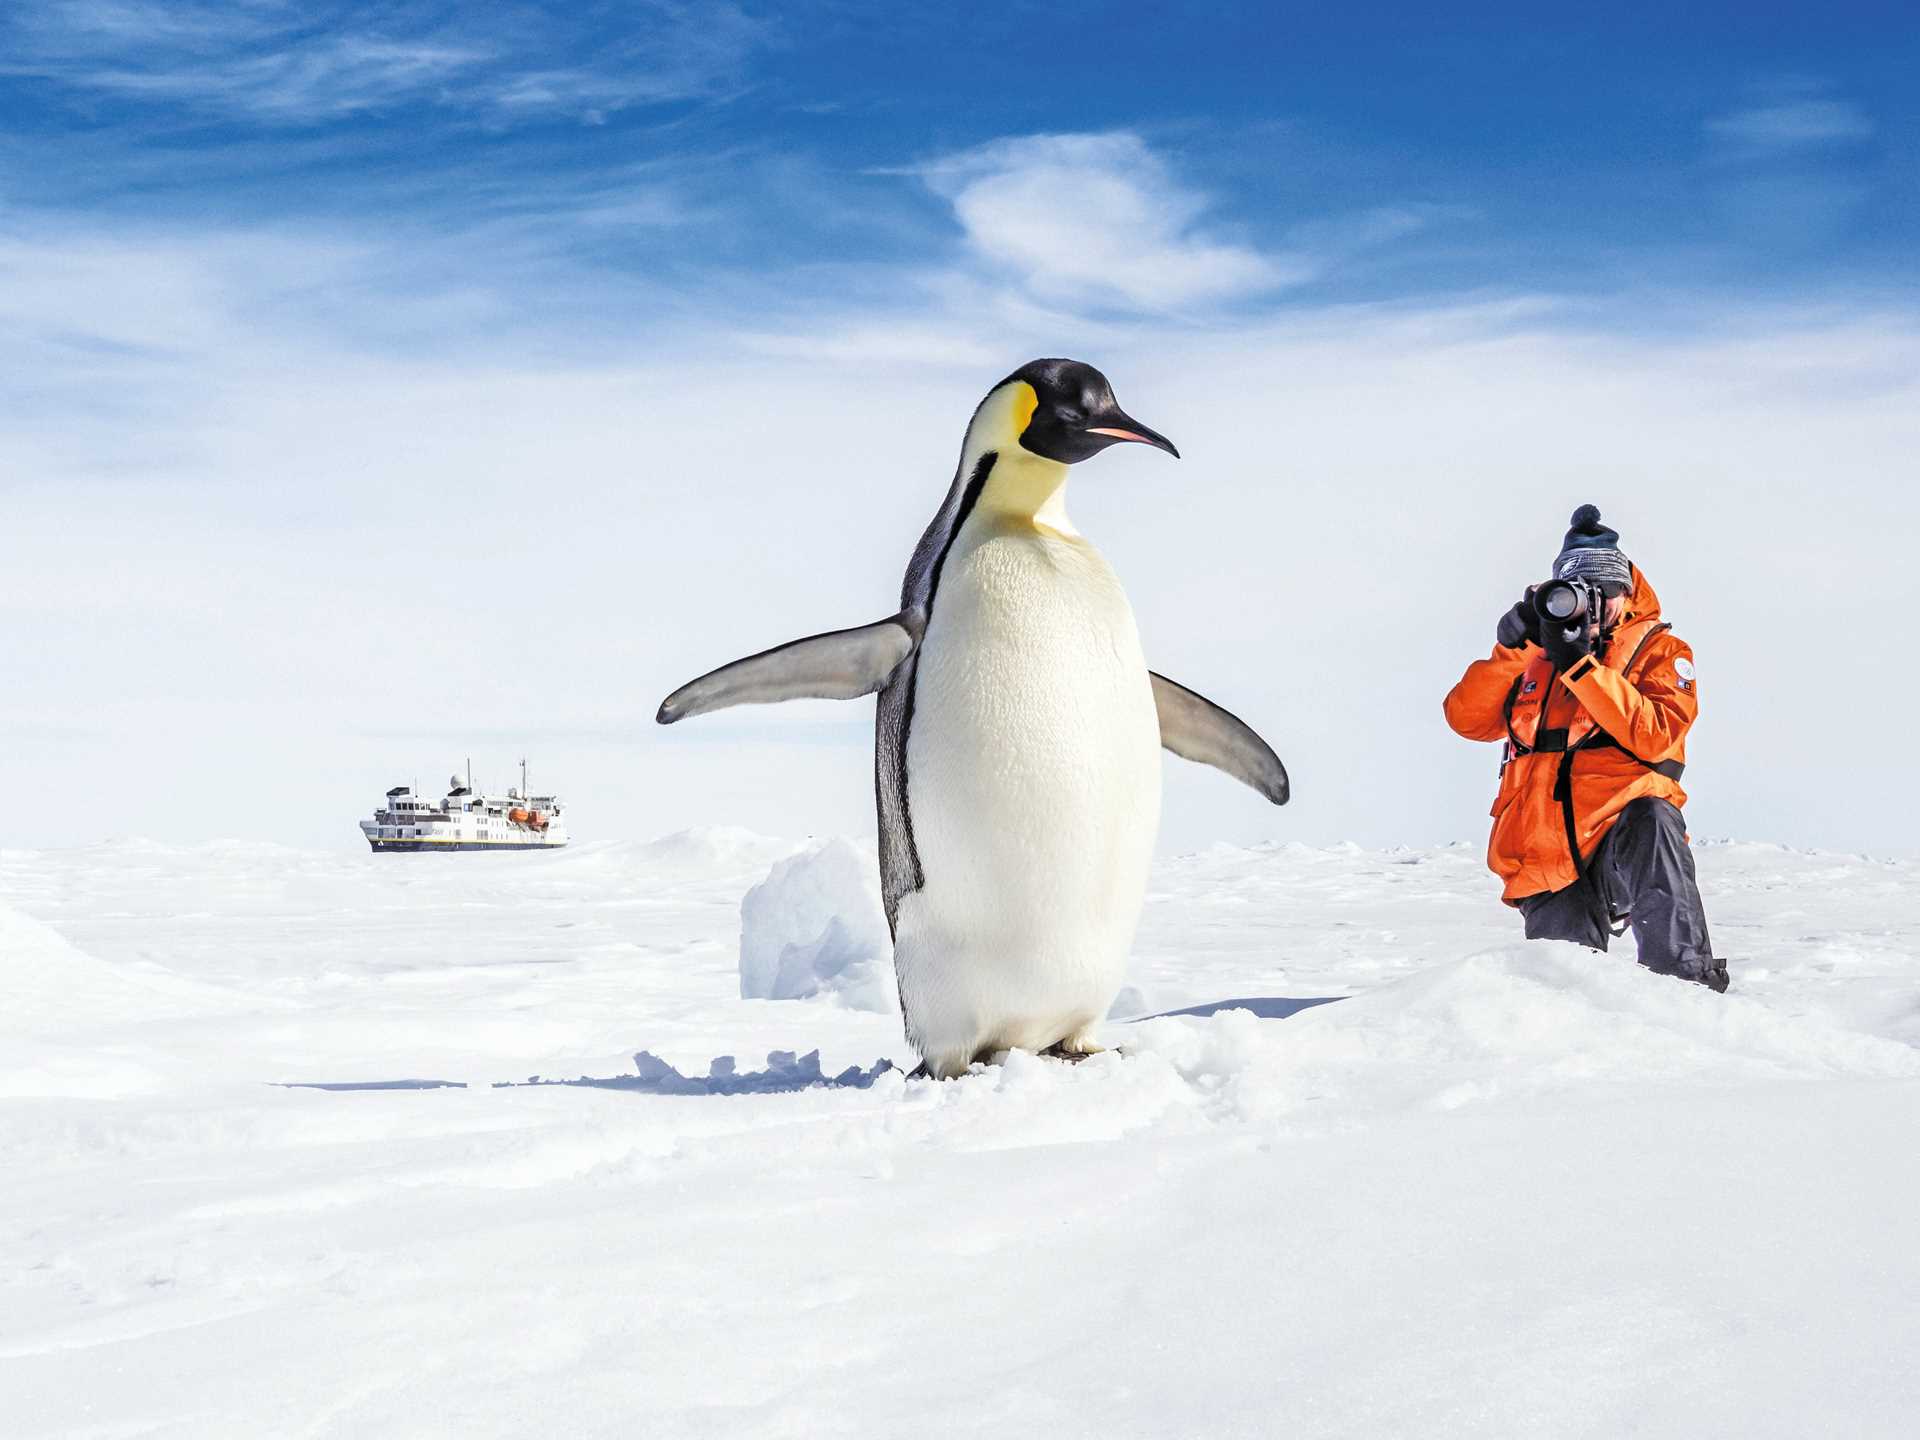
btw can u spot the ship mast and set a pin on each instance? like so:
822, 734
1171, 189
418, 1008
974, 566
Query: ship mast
523, 777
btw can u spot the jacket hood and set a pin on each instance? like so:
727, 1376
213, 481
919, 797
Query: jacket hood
1642, 602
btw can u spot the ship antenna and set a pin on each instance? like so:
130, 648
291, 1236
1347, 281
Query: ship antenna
523, 777
469, 774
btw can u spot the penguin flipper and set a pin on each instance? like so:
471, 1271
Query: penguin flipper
1194, 728
838, 665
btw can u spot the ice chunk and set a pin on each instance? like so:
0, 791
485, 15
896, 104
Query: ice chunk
815, 927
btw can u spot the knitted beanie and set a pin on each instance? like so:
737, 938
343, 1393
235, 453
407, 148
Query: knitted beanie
1592, 553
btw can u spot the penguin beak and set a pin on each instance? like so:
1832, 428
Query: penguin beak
1122, 426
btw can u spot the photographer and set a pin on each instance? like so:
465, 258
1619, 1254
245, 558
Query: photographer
1592, 695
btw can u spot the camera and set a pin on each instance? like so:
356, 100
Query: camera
1571, 604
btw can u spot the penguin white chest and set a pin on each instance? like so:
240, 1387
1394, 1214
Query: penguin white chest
1033, 786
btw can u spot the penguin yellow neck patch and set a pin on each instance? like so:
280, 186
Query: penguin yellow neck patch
1026, 400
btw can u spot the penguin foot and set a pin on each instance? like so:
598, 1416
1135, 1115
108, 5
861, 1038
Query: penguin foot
1072, 1052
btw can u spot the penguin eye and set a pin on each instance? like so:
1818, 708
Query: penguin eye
1068, 415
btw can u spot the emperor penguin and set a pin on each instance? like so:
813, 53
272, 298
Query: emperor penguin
1018, 737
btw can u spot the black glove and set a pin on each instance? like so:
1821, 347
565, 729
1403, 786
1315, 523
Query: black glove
1564, 649
1520, 624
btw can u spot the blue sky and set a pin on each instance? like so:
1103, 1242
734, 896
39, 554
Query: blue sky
718, 154
382, 384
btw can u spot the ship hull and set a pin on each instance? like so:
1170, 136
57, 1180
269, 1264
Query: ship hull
383, 847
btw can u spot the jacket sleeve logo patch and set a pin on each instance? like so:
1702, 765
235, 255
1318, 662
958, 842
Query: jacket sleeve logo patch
1683, 667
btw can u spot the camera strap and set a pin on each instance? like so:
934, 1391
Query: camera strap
1599, 739
1556, 741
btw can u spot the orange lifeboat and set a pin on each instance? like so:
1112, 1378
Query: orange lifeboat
517, 815
537, 820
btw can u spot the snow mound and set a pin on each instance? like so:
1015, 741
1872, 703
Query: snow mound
1600, 1015
1512, 1023
713, 847
57, 1001
48, 983
815, 927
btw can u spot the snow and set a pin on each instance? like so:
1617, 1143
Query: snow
816, 927
1373, 1166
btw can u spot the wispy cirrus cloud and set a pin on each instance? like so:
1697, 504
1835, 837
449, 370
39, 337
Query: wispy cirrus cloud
1794, 125
279, 63
1788, 173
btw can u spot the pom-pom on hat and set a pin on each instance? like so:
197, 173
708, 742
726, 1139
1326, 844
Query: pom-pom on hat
1592, 552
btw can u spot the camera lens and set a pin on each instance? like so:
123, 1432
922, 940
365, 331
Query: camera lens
1559, 602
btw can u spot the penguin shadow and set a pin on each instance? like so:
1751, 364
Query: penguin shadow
1264, 1007
785, 1071
345, 1085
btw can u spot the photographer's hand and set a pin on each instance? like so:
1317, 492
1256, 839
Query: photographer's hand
1520, 624
1563, 648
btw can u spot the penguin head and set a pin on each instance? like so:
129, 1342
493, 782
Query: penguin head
1070, 414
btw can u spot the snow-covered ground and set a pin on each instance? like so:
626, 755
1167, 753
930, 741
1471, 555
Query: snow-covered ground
1501, 1190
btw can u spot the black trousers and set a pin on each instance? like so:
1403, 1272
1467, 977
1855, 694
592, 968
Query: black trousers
1642, 872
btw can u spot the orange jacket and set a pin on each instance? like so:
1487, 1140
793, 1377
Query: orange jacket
1641, 693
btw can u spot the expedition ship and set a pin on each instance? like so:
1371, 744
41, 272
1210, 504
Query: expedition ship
466, 820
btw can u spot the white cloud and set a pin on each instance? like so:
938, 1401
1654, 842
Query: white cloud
1383, 225
240, 524
287, 64
898, 341
673, 52
1099, 219
1794, 125
316, 80
81, 26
